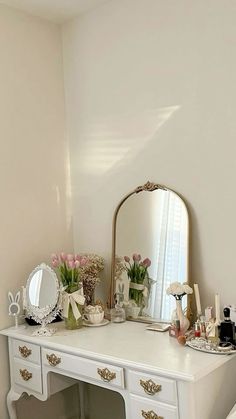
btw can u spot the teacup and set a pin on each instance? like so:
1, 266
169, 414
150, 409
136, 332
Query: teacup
94, 318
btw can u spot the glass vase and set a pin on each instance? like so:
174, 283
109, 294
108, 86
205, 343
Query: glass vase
136, 295
71, 322
184, 322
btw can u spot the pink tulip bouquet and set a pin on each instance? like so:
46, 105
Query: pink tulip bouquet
137, 271
69, 268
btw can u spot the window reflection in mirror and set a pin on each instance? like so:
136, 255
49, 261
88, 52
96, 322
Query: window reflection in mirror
42, 289
155, 225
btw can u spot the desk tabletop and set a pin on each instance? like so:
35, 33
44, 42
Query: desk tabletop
127, 344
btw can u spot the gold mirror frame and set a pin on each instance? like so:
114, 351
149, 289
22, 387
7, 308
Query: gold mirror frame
147, 187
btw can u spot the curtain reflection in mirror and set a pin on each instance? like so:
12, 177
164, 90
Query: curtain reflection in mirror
171, 254
35, 287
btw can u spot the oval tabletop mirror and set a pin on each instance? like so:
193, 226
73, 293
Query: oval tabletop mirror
42, 297
150, 223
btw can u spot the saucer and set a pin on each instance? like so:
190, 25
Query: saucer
103, 323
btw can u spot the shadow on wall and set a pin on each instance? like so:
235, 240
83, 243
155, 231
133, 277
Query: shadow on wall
100, 403
104, 403
63, 405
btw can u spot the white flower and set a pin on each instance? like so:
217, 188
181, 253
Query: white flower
178, 289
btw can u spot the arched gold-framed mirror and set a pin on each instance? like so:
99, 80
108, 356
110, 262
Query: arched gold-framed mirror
151, 223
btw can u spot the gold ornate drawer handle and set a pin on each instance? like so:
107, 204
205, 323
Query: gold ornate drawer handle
24, 351
26, 375
150, 387
53, 360
106, 375
151, 415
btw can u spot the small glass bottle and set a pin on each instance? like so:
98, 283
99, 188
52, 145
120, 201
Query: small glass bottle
197, 330
174, 329
117, 314
203, 329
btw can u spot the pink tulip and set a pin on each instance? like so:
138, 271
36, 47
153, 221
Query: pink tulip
70, 257
78, 257
136, 257
127, 259
55, 263
71, 264
147, 263
54, 256
77, 264
63, 257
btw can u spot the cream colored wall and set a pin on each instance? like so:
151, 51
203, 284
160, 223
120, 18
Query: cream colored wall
35, 214
150, 94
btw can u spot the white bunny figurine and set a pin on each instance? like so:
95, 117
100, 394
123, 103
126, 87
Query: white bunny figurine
14, 307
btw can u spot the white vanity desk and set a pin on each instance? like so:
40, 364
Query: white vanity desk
194, 385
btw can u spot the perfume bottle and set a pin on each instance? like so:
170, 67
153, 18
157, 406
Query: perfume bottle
227, 328
174, 329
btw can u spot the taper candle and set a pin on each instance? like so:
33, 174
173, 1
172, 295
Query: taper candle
197, 299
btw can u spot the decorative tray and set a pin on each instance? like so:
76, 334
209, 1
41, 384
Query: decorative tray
203, 345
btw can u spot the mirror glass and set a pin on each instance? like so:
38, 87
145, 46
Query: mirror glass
42, 296
42, 288
153, 223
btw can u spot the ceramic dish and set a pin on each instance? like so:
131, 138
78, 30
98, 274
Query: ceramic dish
103, 323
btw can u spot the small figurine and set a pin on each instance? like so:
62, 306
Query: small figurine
14, 307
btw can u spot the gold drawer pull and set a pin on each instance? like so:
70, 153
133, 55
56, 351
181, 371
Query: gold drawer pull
53, 360
24, 351
150, 387
106, 375
151, 415
26, 375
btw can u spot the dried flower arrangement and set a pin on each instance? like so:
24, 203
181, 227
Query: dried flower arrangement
90, 274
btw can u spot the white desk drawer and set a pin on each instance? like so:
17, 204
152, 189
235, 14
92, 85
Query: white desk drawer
152, 386
27, 375
145, 408
27, 351
107, 373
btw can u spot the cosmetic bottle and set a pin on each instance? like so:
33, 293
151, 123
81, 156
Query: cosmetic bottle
174, 329
227, 328
203, 329
197, 329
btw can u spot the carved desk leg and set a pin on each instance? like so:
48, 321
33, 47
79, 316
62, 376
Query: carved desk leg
12, 397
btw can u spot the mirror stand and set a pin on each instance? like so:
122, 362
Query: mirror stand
44, 330
44, 316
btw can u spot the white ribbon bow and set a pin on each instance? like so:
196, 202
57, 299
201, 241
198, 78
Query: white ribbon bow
139, 287
73, 298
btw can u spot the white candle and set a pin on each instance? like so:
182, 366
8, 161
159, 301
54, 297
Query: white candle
197, 299
217, 308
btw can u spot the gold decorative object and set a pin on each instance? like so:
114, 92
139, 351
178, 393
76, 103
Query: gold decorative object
106, 375
150, 387
150, 186
151, 415
53, 360
25, 374
24, 351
